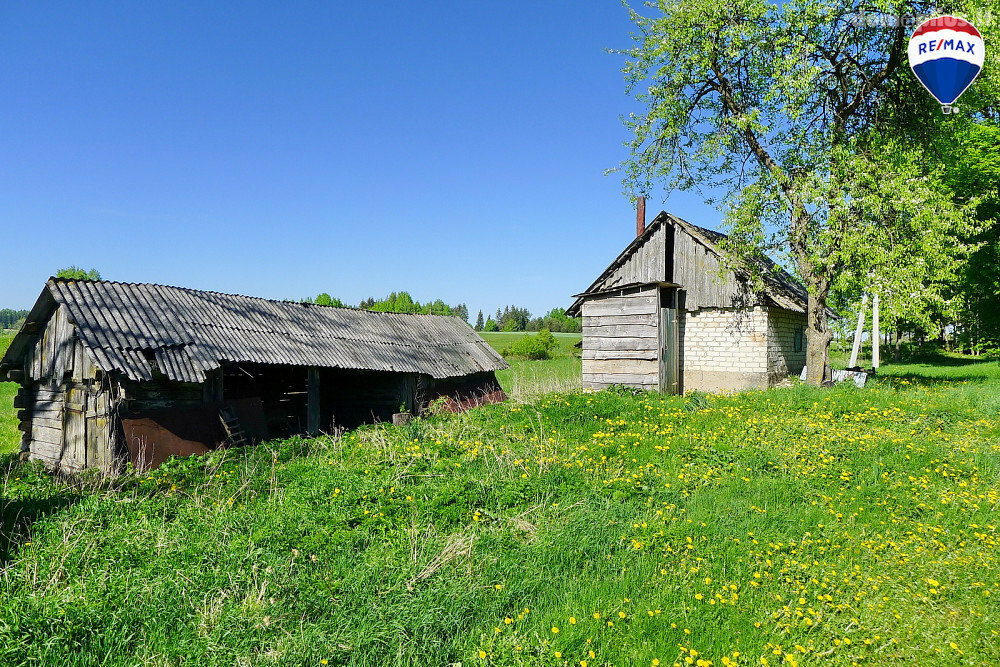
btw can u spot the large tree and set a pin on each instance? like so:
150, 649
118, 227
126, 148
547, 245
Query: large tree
775, 105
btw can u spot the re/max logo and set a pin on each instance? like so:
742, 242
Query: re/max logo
951, 44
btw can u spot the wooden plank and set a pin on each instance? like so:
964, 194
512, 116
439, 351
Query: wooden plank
621, 366
648, 380
44, 451
620, 354
648, 319
99, 454
312, 401
633, 306
48, 393
46, 405
48, 413
621, 331
595, 343
74, 430
35, 420
143, 405
53, 436
669, 362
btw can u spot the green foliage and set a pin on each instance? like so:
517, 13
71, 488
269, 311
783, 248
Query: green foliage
414, 545
490, 325
792, 134
973, 171
532, 346
479, 322
402, 302
512, 318
324, 299
77, 273
556, 320
12, 319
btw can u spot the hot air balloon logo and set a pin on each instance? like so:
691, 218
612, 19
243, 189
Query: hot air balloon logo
946, 53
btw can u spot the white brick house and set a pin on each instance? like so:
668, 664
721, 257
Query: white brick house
668, 315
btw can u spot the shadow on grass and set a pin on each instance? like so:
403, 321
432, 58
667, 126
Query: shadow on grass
931, 369
17, 516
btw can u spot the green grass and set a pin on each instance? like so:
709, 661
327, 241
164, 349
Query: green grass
10, 437
527, 379
798, 525
565, 342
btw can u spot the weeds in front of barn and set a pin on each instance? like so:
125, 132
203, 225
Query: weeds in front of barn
795, 526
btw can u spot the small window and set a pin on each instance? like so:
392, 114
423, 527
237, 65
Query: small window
799, 342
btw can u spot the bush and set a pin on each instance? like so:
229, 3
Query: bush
537, 346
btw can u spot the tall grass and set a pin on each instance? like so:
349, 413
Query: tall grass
10, 437
527, 379
793, 526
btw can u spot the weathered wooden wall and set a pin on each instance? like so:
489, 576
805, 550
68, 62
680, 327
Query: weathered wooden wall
671, 254
621, 340
700, 274
65, 411
648, 263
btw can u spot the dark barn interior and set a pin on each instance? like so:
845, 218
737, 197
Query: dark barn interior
116, 372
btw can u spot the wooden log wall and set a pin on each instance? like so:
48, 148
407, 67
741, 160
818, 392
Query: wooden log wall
65, 404
699, 271
621, 340
647, 264
160, 394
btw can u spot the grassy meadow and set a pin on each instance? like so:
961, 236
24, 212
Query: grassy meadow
794, 526
527, 379
10, 437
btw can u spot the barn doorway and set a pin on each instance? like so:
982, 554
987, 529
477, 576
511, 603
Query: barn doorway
669, 347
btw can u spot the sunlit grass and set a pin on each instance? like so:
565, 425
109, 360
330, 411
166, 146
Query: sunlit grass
793, 526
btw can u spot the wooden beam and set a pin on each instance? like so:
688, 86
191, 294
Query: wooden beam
857, 333
670, 381
876, 334
312, 401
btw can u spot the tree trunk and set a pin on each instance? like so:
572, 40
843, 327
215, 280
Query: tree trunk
818, 337
897, 355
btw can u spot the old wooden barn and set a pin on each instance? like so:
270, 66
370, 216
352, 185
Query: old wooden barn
668, 315
111, 371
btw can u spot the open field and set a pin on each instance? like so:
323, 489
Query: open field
564, 348
793, 526
10, 437
527, 379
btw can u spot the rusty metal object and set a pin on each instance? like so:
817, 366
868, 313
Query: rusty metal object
155, 436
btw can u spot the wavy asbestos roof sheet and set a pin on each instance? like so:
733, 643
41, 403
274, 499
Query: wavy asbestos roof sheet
186, 332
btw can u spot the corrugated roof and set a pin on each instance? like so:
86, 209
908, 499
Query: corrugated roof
185, 332
779, 285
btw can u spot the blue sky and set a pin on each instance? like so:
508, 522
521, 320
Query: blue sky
453, 149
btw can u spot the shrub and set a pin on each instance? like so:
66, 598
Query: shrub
538, 346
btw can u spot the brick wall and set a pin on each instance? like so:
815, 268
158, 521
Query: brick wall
725, 339
784, 334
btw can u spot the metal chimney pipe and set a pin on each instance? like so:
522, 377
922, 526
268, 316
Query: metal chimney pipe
640, 215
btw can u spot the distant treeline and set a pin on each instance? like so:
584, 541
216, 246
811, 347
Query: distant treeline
511, 318
11, 319
396, 302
